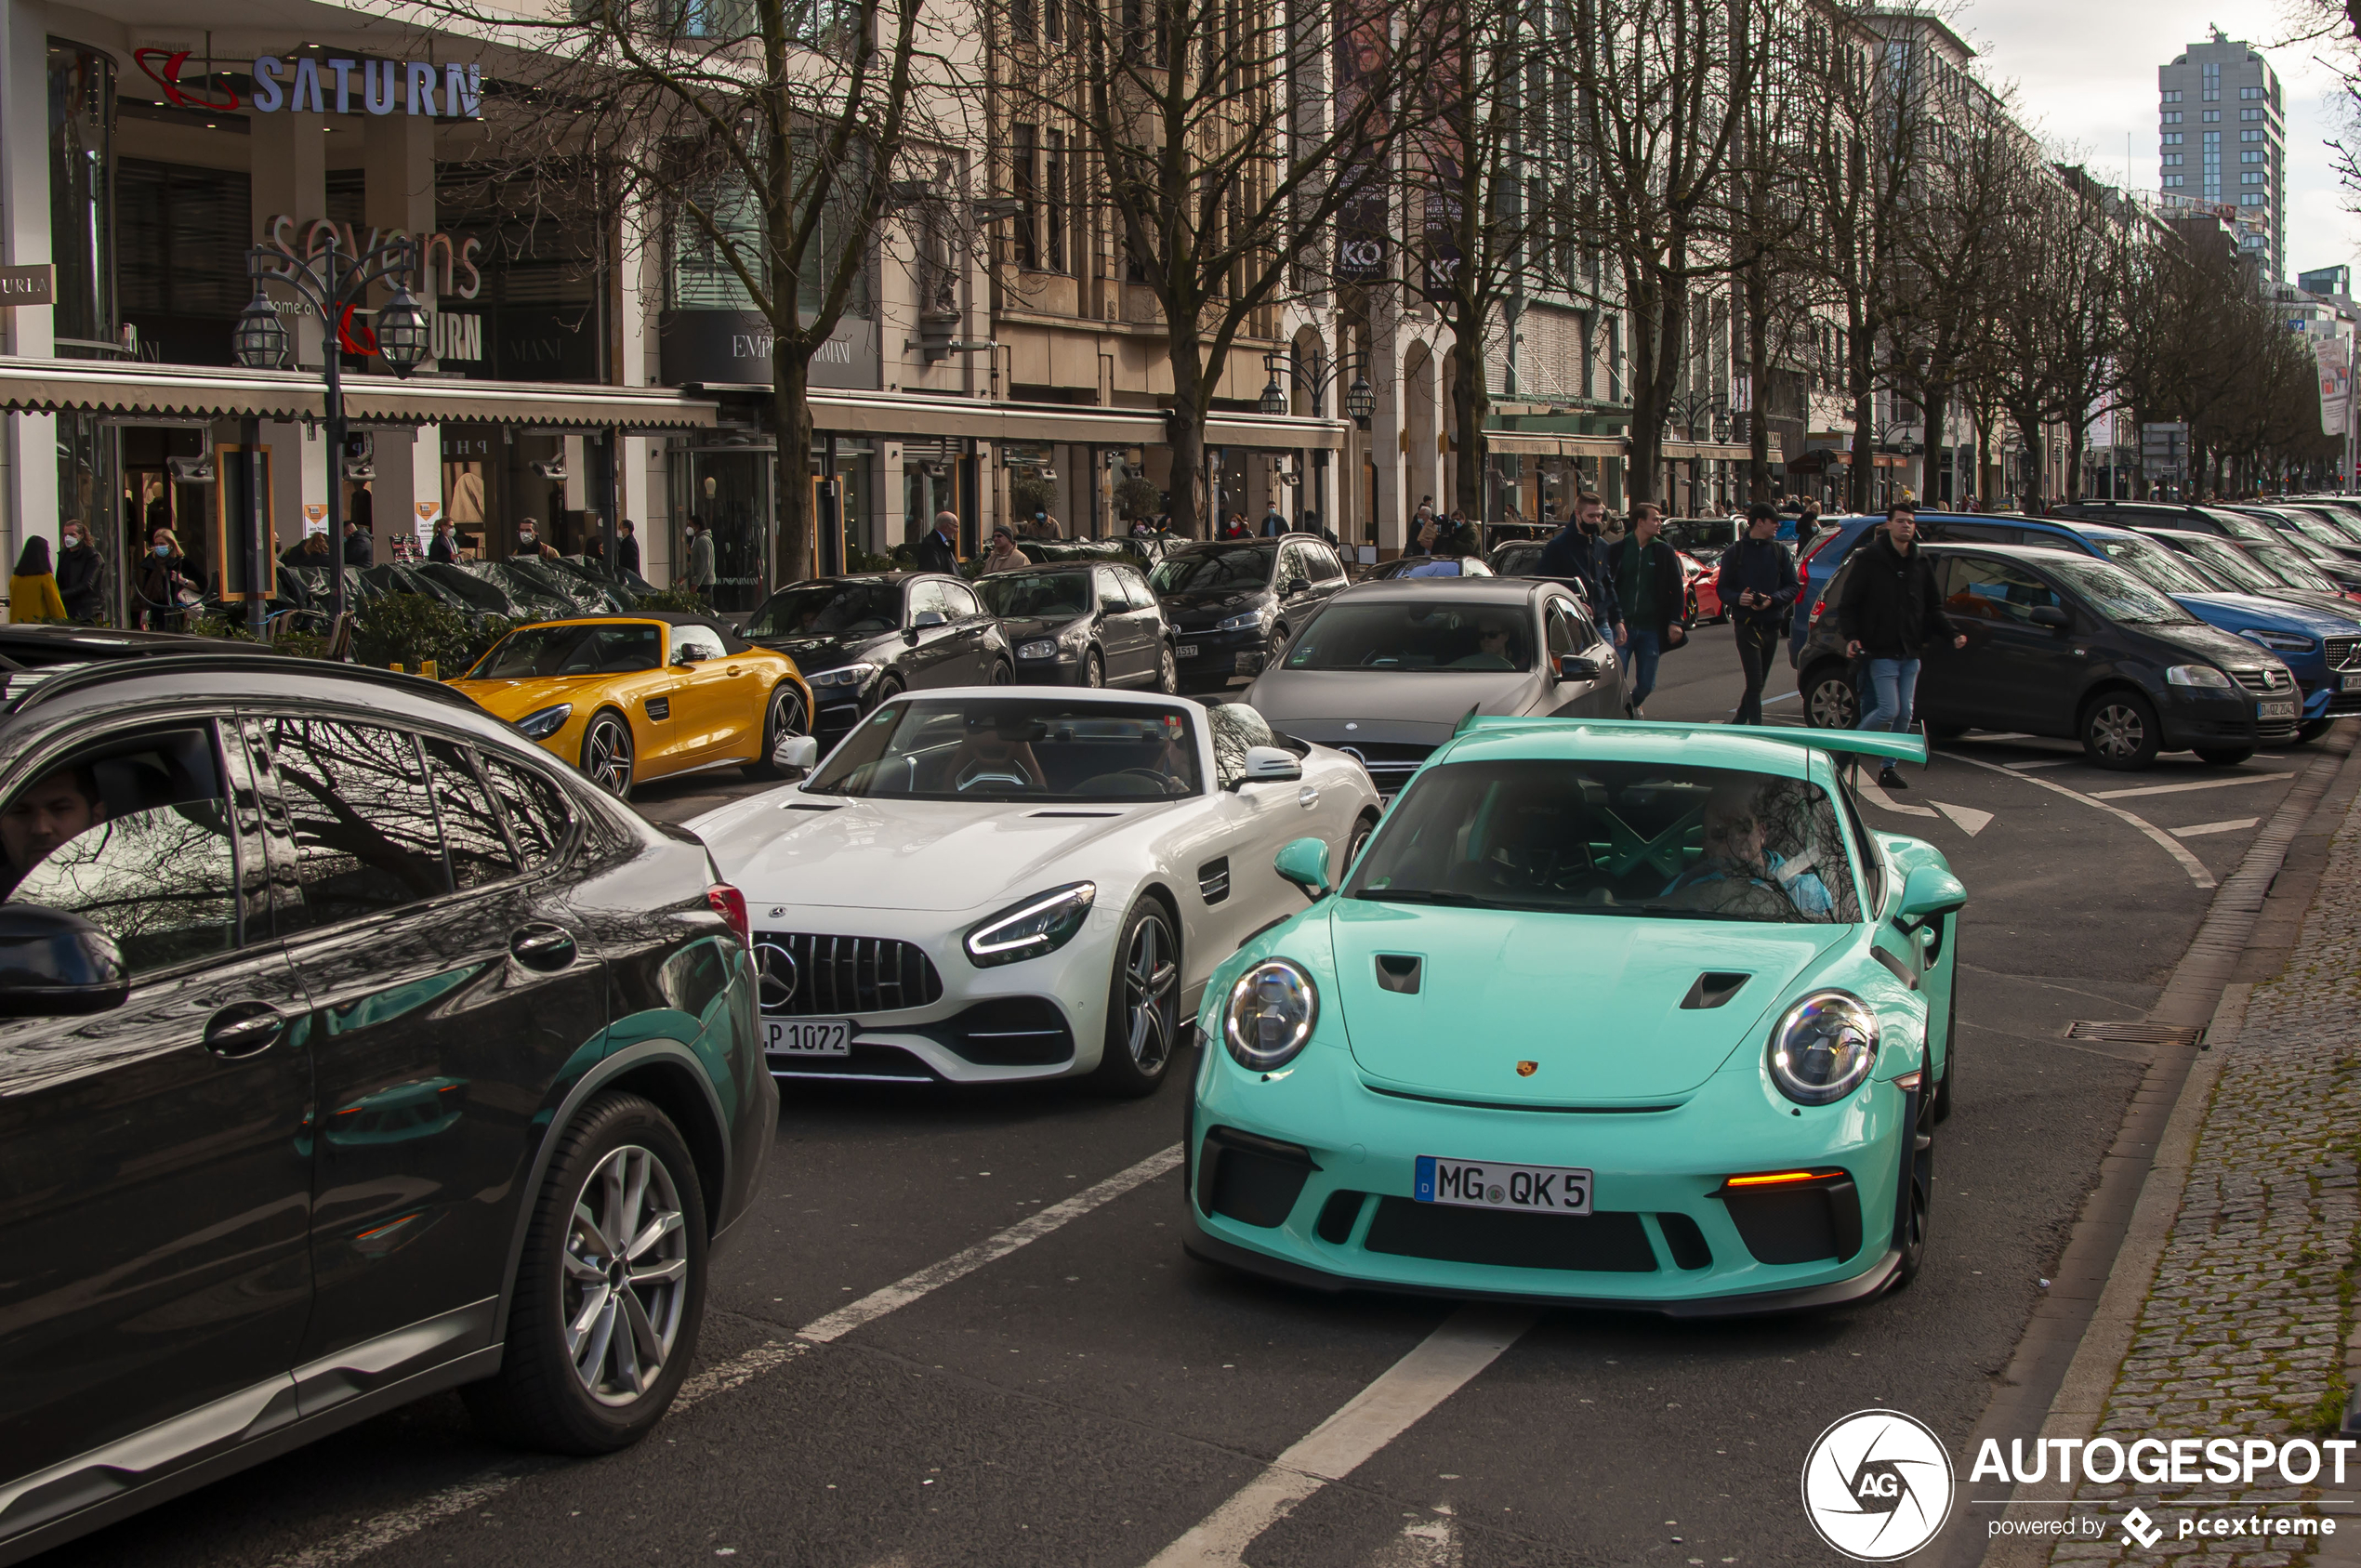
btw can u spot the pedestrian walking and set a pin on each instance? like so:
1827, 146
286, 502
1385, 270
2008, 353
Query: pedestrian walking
1574, 554
162, 582
443, 547
1757, 583
1647, 583
627, 547
1426, 534
529, 535
939, 551
1274, 521
358, 548
701, 574
79, 570
1004, 556
32, 587
1807, 527
1891, 609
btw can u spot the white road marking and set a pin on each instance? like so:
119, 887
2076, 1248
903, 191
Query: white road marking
2169, 845
2044, 762
1971, 820
2185, 788
2200, 830
402, 1523
1869, 791
1467, 1342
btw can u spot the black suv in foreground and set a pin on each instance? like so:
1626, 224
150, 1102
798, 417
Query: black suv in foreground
2072, 646
350, 1049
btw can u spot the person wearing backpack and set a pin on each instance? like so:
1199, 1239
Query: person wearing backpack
1757, 585
1647, 584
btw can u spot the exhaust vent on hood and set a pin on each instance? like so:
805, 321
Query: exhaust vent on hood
1400, 971
1713, 988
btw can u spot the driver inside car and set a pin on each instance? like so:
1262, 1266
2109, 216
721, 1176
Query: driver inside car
998, 749
54, 809
1739, 869
1493, 635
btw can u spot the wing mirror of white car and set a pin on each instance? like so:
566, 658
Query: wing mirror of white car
1271, 764
1305, 861
1930, 891
1574, 666
796, 754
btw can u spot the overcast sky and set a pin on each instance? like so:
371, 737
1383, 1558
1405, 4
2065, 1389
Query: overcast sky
2086, 74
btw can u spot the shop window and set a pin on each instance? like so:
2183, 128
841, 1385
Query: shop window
182, 236
81, 199
1023, 184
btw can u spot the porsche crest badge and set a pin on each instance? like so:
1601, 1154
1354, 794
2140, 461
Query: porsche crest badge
1527, 1069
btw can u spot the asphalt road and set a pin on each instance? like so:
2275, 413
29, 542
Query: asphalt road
1089, 1395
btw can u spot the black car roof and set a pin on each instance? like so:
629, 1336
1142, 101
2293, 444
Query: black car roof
26, 689
33, 646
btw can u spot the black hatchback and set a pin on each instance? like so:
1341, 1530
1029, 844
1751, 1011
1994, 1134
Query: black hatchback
860, 640
2069, 645
350, 1049
1078, 622
1232, 603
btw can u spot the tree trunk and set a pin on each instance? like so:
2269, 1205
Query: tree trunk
1757, 304
1934, 409
1472, 405
2030, 437
791, 418
1187, 418
1659, 308
1982, 455
2075, 435
1865, 444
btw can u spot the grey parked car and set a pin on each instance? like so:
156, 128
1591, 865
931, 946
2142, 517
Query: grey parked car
1386, 670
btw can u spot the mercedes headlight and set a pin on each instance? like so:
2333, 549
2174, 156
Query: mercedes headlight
2280, 641
1823, 1045
1047, 649
542, 725
855, 676
1041, 924
1269, 1017
2196, 675
1240, 623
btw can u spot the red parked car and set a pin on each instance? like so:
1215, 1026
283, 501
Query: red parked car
1704, 591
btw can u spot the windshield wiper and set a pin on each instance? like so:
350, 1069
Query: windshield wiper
1425, 895
1673, 911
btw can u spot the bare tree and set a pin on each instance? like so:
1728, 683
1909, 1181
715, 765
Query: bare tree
2058, 330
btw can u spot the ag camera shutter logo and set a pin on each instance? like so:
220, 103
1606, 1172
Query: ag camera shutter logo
1877, 1486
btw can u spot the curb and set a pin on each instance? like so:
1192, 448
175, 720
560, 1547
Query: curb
2065, 1364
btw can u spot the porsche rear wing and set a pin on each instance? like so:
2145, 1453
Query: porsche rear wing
1879, 744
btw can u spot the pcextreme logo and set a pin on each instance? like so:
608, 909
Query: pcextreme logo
1877, 1486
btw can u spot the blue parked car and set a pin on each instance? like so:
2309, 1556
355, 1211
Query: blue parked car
1821, 558
2310, 641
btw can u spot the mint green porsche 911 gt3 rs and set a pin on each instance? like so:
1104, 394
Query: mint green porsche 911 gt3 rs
1629, 1014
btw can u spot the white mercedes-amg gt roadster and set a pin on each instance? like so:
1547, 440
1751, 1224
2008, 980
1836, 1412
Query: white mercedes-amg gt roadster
984, 885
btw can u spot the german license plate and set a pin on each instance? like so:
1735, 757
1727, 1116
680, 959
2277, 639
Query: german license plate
2349, 683
808, 1036
2278, 710
1186, 650
1523, 1188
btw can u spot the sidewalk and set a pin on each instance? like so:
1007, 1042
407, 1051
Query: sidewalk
2245, 1330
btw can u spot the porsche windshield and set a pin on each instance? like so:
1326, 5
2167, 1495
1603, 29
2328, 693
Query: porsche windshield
597, 648
1236, 567
1014, 596
1408, 635
1615, 839
1016, 749
828, 610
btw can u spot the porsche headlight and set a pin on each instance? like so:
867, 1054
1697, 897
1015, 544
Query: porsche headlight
1823, 1045
542, 725
1041, 924
1269, 1017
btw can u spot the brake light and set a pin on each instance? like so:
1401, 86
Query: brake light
1817, 606
731, 904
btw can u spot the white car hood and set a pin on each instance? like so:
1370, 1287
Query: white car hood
902, 854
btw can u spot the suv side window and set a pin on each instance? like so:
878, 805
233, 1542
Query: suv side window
472, 834
1983, 589
135, 835
1234, 726
1326, 567
363, 823
538, 812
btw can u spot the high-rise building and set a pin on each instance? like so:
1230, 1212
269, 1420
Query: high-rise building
2222, 132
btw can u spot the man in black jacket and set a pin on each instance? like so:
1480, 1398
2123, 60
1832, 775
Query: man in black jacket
1757, 581
1647, 584
939, 551
1892, 605
1574, 554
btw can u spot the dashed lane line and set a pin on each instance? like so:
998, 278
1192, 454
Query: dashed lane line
2169, 845
2199, 830
400, 1524
2185, 788
1467, 1342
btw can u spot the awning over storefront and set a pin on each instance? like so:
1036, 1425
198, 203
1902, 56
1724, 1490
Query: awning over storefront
163, 391
1544, 443
1734, 452
890, 413
1275, 432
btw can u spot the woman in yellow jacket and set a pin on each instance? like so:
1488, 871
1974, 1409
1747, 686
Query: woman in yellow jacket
32, 588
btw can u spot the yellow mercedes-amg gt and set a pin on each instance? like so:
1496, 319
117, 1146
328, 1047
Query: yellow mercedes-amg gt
628, 698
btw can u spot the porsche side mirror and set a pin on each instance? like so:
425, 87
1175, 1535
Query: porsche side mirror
1930, 891
1574, 666
796, 754
1305, 861
55, 964
1271, 764
2050, 615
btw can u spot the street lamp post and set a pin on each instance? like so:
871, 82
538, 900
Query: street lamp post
1360, 398
334, 284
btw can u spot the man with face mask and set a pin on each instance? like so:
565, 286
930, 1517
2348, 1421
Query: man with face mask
79, 570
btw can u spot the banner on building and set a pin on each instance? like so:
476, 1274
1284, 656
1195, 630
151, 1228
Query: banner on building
315, 518
2334, 356
1362, 222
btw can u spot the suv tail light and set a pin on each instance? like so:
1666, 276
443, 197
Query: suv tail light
1817, 606
1815, 547
731, 904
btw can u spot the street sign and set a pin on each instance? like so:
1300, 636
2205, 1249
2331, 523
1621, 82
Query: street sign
2164, 446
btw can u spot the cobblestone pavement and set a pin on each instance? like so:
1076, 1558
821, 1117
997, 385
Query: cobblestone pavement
2243, 1332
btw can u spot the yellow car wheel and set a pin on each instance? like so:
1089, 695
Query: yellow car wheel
606, 753
785, 715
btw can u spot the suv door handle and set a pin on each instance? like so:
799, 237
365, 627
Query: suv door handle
244, 1029
542, 947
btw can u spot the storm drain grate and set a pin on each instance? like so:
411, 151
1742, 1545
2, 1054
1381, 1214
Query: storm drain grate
2137, 1033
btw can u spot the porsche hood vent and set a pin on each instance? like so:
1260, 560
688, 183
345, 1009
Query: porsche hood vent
1713, 988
